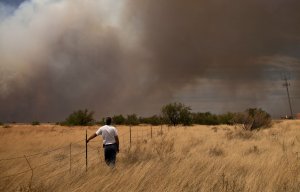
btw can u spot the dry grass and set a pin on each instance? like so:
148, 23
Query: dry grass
198, 158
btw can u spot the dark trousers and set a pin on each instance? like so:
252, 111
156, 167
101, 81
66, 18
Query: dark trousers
110, 152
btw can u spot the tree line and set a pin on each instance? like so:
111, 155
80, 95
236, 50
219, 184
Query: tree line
174, 114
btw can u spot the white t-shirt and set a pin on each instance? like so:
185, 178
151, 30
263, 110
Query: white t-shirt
108, 133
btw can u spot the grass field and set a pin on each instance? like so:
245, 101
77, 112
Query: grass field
197, 158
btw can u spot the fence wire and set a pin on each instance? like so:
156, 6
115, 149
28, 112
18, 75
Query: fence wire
144, 134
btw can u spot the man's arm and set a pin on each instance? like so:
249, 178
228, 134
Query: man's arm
91, 137
117, 142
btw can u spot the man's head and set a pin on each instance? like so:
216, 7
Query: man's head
108, 121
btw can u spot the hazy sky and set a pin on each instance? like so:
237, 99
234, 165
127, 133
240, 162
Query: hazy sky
133, 56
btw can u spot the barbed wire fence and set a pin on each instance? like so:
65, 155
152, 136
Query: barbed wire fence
68, 158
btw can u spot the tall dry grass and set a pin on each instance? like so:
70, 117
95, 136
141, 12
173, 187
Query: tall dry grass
198, 158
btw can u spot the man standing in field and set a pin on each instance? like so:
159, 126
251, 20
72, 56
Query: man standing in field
110, 141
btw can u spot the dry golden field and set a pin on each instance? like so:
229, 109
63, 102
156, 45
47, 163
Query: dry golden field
198, 158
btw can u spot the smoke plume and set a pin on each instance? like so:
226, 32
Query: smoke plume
133, 56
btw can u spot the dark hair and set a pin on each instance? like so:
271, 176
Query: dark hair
108, 121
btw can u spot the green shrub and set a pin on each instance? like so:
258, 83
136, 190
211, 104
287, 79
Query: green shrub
118, 120
153, 120
132, 120
35, 123
80, 117
226, 118
205, 119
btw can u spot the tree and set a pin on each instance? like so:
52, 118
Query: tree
185, 116
176, 113
80, 117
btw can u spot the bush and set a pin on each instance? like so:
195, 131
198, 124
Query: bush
153, 120
35, 123
1, 123
176, 113
80, 117
132, 120
253, 118
6, 126
226, 118
118, 120
205, 119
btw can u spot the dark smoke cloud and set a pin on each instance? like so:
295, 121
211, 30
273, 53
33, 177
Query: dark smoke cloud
190, 38
239, 48
133, 56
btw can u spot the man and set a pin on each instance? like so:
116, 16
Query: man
110, 141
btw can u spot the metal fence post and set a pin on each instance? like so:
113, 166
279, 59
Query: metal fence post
86, 155
130, 135
137, 134
70, 157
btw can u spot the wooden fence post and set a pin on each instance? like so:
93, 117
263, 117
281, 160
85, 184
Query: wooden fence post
151, 131
31, 172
